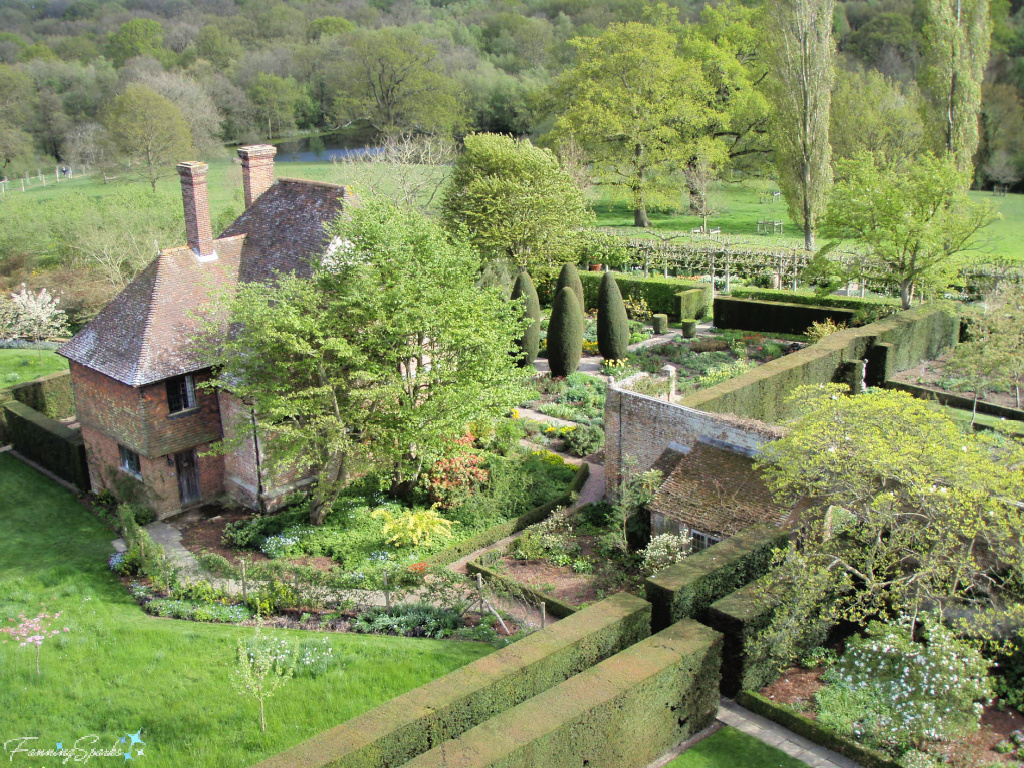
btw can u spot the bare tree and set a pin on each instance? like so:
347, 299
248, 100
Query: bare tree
802, 71
700, 175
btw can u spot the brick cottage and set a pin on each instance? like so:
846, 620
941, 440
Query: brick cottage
136, 369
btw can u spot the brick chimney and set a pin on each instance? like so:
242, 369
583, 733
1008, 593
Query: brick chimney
197, 209
257, 170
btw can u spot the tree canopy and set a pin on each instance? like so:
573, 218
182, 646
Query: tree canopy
149, 130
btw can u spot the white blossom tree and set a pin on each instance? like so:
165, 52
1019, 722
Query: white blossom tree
39, 315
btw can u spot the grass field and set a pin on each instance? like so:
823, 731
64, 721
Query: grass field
730, 748
119, 670
21, 365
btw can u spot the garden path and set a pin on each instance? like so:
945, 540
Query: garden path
771, 733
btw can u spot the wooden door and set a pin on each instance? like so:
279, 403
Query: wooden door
188, 476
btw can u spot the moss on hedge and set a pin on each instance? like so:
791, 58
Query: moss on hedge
688, 588
411, 724
626, 711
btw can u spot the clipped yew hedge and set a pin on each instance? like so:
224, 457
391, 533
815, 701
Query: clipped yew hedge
890, 345
688, 588
695, 303
660, 293
625, 712
444, 709
868, 308
775, 316
51, 395
495, 533
48, 443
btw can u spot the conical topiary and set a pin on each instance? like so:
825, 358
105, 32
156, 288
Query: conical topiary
570, 278
565, 334
612, 323
529, 344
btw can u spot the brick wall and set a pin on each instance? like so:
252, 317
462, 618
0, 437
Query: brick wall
639, 427
168, 432
106, 405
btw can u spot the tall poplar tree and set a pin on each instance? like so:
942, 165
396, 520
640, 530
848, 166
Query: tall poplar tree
801, 55
956, 37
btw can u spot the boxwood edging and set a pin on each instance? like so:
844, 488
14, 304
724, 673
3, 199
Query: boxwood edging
553, 605
496, 533
408, 725
809, 729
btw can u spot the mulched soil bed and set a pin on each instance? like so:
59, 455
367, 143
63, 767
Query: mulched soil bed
797, 687
206, 535
928, 374
563, 584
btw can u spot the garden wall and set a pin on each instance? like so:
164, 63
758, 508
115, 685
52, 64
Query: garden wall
625, 712
688, 588
48, 443
890, 345
775, 316
444, 709
660, 293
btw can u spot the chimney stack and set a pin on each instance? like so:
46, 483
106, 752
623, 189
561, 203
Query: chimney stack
257, 170
197, 209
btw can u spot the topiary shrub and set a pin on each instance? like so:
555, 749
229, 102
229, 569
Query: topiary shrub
689, 327
530, 341
659, 324
612, 323
565, 334
569, 277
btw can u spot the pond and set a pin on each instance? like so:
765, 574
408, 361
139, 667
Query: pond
324, 147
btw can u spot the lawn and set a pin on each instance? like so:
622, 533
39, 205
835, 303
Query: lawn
730, 748
119, 670
21, 365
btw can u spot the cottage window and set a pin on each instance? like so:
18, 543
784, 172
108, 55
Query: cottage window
130, 461
700, 541
181, 393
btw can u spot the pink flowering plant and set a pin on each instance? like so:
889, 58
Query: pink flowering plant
33, 632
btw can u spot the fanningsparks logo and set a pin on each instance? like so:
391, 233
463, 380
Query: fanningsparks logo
128, 747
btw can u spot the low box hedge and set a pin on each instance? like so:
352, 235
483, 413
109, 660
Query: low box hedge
48, 443
688, 588
444, 709
893, 344
625, 712
553, 605
660, 293
810, 729
774, 316
495, 533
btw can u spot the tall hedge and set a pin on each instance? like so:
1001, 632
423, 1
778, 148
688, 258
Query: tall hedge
662, 294
775, 316
443, 709
51, 395
565, 334
569, 277
530, 341
48, 443
625, 712
612, 322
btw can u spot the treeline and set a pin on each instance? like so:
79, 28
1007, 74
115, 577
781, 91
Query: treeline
247, 71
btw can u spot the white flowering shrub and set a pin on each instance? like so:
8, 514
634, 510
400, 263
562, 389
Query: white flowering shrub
38, 315
894, 693
664, 550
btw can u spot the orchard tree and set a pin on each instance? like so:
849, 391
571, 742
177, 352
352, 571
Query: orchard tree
516, 201
385, 354
149, 131
904, 509
956, 37
636, 106
916, 222
801, 54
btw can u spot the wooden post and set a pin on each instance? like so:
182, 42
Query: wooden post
480, 591
22, 185
245, 589
543, 614
387, 593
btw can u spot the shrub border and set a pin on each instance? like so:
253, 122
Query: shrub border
496, 533
809, 729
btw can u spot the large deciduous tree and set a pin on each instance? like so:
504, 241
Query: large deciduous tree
801, 56
385, 354
916, 221
149, 131
636, 106
956, 38
516, 202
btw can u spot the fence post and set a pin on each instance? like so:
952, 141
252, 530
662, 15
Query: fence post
543, 614
245, 590
387, 594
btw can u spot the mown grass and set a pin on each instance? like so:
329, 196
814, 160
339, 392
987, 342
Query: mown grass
964, 416
119, 670
731, 748
20, 365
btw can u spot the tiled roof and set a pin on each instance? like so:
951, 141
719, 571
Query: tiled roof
716, 491
146, 333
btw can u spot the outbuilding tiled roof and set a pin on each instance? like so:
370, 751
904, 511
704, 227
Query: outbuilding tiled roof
714, 490
147, 332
